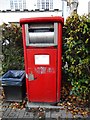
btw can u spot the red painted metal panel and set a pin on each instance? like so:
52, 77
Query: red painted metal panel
43, 87
59, 64
42, 19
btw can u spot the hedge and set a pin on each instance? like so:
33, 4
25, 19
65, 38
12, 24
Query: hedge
76, 54
12, 47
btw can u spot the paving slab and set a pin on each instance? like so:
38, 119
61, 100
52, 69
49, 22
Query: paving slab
28, 115
6, 113
14, 113
21, 113
54, 114
48, 114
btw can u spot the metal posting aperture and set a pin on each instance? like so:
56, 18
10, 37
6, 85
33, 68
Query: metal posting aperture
55, 33
27, 34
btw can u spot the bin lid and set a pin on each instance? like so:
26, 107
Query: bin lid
13, 75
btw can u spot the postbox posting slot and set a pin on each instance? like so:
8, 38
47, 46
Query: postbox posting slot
41, 35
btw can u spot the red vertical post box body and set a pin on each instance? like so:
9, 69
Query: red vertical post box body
42, 41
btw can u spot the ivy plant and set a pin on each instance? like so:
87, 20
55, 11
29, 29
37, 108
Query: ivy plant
76, 54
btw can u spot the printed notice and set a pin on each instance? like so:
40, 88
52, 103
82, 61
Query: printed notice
41, 59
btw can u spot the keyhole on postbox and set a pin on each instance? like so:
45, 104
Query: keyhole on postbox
31, 76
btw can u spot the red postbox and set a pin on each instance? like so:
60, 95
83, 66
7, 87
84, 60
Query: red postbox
42, 41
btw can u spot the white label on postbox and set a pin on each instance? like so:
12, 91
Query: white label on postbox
41, 59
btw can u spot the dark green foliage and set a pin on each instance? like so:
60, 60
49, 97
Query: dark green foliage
76, 53
12, 48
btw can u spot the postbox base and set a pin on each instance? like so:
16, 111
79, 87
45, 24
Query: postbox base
30, 105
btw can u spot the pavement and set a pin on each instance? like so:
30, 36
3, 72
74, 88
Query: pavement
37, 111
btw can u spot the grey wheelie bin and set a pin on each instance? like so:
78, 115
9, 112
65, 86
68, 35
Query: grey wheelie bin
14, 86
